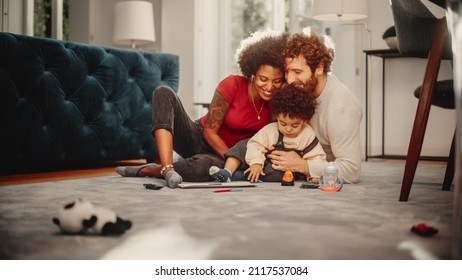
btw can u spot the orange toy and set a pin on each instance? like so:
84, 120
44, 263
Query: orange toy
287, 179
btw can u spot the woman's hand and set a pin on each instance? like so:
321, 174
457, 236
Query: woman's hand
255, 170
288, 161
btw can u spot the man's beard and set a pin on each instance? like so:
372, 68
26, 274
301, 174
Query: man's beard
310, 85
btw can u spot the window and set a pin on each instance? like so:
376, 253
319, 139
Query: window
248, 16
43, 16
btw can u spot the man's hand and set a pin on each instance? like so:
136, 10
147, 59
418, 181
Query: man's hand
291, 161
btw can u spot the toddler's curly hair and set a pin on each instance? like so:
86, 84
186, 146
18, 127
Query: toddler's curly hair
294, 102
261, 48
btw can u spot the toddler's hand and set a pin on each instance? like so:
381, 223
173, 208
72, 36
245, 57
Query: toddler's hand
254, 171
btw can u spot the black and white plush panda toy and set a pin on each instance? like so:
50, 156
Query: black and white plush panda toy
81, 217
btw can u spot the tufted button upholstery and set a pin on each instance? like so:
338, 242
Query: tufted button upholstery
64, 102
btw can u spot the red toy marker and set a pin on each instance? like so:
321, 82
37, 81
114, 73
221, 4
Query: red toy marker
227, 190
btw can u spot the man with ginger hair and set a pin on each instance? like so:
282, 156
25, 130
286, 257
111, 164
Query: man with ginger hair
308, 59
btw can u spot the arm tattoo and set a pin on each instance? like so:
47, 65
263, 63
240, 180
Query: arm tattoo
217, 111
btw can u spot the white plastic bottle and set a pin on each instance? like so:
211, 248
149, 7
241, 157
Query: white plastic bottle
331, 179
330, 176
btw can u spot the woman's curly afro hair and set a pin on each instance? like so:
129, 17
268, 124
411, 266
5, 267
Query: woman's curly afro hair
293, 102
261, 48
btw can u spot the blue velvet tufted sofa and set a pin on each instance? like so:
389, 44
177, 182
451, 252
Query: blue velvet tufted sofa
70, 103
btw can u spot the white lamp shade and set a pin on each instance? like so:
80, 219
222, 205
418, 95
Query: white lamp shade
339, 10
134, 23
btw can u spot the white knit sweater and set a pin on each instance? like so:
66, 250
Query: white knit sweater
337, 124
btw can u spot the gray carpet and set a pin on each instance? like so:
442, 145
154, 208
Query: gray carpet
363, 221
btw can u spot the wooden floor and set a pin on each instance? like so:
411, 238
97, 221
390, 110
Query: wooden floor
68, 174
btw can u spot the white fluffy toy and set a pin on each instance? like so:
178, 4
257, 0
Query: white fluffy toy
81, 217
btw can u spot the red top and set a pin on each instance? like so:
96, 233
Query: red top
241, 118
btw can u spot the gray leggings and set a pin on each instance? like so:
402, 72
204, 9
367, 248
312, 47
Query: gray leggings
168, 113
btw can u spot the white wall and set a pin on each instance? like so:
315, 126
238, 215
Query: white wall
80, 13
207, 52
178, 38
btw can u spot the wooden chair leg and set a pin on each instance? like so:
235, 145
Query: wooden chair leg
423, 108
450, 168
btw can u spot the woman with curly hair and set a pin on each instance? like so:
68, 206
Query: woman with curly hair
293, 108
239, 108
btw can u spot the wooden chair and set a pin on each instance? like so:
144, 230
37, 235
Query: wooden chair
422, 35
